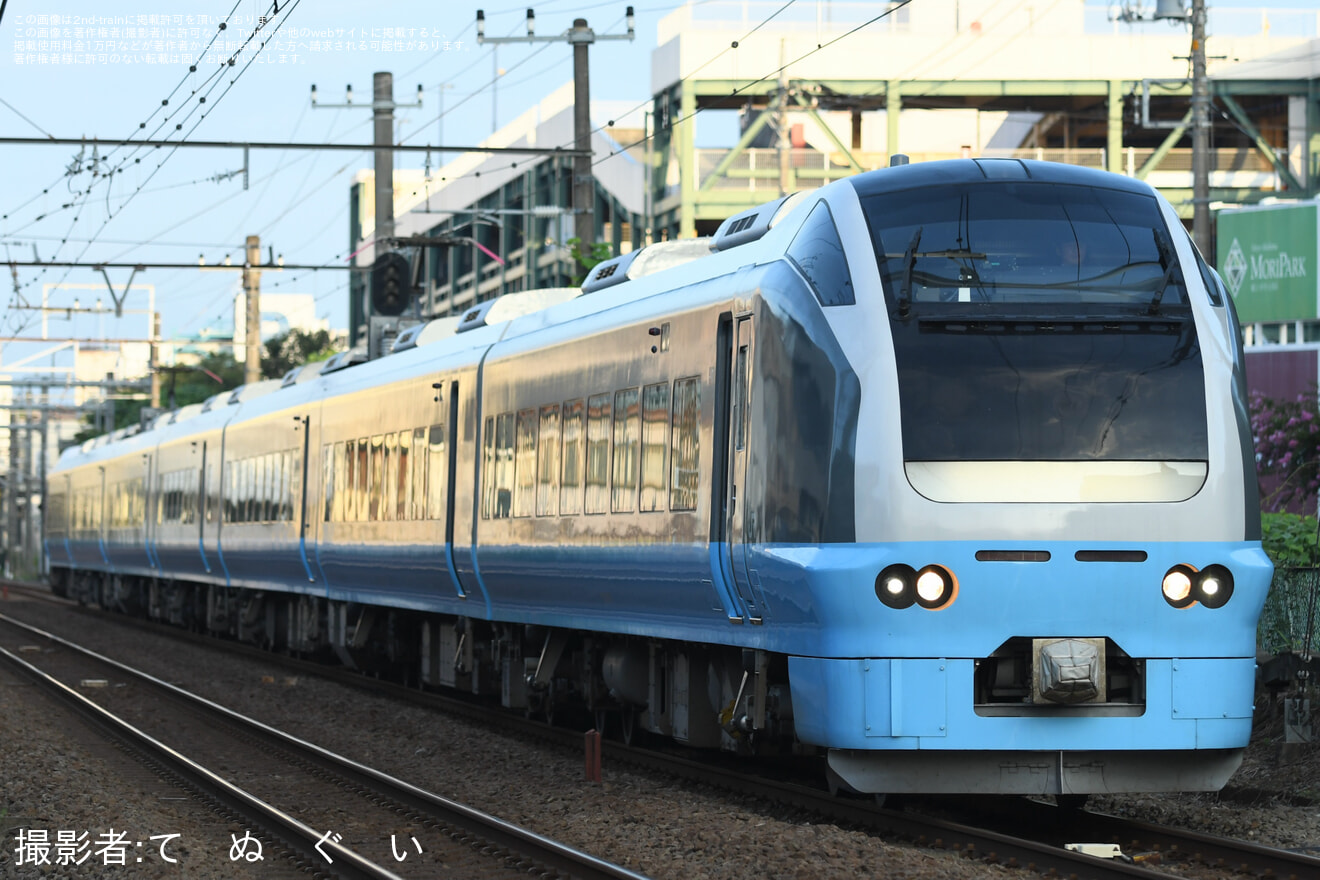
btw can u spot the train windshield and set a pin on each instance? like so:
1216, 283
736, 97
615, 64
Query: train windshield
1024, 244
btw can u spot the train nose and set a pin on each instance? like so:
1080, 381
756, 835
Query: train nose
1068, 670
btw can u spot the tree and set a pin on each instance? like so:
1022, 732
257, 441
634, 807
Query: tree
589, 258
183, 384
293, 349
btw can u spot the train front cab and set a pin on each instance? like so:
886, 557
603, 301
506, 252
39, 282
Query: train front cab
1068, 443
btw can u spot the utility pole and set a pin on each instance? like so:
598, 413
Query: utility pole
1200, 133
382, 111
155, 360
252, 337
580, 36
1174, 10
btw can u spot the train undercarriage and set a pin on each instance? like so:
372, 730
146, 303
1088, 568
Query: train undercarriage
703, 696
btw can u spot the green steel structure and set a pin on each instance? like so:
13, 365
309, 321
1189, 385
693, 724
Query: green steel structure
1093, 122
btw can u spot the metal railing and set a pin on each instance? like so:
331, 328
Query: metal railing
757, 169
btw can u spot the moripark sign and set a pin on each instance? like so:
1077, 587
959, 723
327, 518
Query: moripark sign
1267, 255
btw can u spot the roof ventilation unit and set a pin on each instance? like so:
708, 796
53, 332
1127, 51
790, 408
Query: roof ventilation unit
475, 317
609, 273
753, 223
344, 360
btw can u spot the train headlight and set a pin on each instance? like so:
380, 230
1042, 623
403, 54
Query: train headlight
1177, 586
935, 587
896, 586
1214, 586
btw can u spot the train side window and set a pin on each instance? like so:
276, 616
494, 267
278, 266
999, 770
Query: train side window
818, 254
598, 453
488, 469
328, 478
275, 476
253, 489
275, 483
389, 496
740, 399
236, 486
627, 450
260, 468
363, 490
403, 494
350, 480
547, 463
655, 424
524, 473
419, 473
340, 486
292, 482
574, 449
375, 480
503, 466
240, 491
437, 471
685, 444
266, 479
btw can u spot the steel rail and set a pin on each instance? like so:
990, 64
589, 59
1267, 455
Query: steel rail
560, 858
289, 830
924, 830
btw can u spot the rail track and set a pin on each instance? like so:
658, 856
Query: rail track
370, 804
1013, 832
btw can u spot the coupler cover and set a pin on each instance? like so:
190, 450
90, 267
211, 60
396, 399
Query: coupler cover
1068, 671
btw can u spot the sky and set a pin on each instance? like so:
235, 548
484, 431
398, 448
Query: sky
165, 205
64, 202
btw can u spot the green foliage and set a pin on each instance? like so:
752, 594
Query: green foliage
185, 384
1290, 539
589, 258
293, 349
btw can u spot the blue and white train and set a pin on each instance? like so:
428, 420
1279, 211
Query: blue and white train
942, 472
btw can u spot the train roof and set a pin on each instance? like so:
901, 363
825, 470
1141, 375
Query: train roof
952, 171
655, 269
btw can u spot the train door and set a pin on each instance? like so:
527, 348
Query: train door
728, 519
450, 405
740, 393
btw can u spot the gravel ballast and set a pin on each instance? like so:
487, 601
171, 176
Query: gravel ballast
652, 825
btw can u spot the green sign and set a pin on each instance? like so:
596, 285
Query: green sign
1267, 256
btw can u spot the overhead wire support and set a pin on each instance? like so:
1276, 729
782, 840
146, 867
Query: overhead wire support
274, 145
219, 267
580, 36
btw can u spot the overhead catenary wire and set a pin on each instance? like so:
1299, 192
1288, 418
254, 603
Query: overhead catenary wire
287, 11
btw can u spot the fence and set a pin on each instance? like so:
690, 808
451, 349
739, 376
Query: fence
1291, 618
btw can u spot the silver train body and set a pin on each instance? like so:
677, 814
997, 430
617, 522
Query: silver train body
942, 472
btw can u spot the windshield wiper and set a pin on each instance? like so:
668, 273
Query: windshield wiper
1168, 263
909, 262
